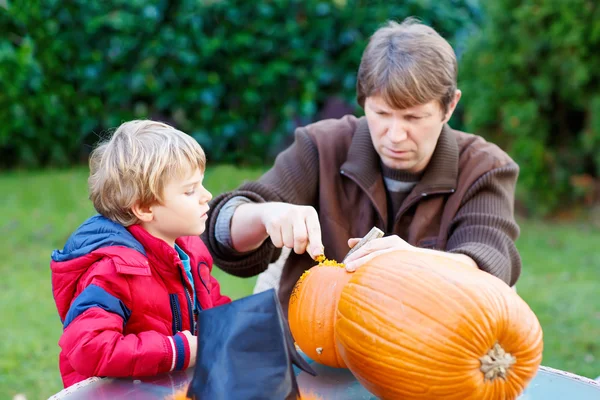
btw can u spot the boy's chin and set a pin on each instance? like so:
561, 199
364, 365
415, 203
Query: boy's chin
192, 232
198, 231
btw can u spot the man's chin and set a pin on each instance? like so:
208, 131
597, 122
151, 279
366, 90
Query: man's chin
403, 165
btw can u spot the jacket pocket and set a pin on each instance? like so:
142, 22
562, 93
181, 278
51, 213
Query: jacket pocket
176, 312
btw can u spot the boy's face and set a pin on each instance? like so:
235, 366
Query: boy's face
406, 139
184, 208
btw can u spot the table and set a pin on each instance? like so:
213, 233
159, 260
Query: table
330, 383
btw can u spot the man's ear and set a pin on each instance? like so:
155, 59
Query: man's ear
452, 105
143, 213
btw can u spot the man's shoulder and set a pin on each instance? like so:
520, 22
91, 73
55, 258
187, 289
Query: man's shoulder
474, 149
333, 128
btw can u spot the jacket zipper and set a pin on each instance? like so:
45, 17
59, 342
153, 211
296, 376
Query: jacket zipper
191, 313
190, 304
176, 310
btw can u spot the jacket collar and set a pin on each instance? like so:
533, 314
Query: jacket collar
363, 162
363, 166
157, 249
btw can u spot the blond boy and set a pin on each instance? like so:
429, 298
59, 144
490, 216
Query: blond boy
130, 281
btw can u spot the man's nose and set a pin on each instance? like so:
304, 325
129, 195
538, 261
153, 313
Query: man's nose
397, 131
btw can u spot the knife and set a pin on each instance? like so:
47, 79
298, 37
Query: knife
374, 233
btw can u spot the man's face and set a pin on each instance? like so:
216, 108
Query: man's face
406, 139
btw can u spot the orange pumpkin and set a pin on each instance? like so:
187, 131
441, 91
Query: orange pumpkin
415, 325
312, 311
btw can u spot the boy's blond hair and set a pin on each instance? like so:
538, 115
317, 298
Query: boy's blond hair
136, 163
408, 64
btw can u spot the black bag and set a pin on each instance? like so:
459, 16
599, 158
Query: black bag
246, 352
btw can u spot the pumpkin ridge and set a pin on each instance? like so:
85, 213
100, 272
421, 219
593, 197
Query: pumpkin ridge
458, 342
473, 347
402, 382
503, 329
465, 290
312, 312
415, 326
453, 386
525, 351
419, 355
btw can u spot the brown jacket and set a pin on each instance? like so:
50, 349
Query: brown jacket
463, 203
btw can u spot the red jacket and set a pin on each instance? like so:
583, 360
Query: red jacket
123, 296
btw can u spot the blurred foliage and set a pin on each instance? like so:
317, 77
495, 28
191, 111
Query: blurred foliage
531, 83
237, 75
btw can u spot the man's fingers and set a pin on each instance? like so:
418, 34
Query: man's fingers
373, 245
357, 263
274, 233
300, 236
352, 242
287, 235
384, 243
314, 234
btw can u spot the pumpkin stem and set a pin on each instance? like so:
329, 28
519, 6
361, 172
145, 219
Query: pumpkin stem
496, 363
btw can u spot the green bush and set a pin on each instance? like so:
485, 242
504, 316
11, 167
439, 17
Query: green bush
530, 80
237, 75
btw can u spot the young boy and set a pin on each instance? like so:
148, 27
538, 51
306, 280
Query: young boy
130, 282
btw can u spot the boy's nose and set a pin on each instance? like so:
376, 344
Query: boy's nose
206, 196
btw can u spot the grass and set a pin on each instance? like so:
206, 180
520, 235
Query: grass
38, 211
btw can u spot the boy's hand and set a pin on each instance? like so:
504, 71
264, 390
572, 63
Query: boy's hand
293, 226
193, 343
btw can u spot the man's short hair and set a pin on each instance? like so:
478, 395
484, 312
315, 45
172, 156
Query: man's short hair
408, 64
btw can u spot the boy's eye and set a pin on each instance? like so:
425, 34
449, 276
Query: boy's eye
190, 192
382, 113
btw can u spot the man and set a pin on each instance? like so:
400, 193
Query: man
400, 168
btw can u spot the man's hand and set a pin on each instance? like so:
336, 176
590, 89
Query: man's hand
289, 225
293, 226
373, 249
193, 343
392, 243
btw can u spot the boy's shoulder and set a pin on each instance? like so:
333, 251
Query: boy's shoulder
113, 266
96, 233
100, 246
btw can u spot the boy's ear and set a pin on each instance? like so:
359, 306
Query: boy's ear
143, 213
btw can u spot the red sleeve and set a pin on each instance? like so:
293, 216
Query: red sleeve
94, 341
